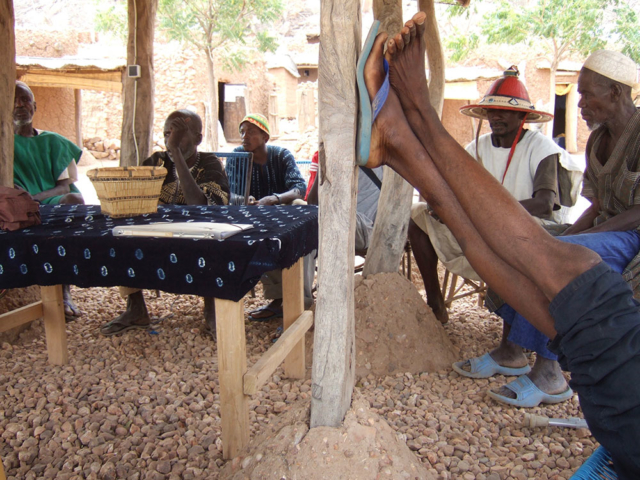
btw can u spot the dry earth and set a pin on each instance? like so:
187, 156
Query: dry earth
145, 405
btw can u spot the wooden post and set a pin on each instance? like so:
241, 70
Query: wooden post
571, 118
274, 119
232, 365
333, 371
77, 93
7, 91
55, 324
292, 308
394, 206
139, 93
306, 109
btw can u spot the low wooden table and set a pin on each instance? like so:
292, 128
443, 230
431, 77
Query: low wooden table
237, 382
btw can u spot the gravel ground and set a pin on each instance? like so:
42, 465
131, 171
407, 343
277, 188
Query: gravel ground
145, 405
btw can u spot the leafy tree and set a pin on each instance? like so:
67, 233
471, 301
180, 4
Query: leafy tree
560, 28
228, 28
222, 26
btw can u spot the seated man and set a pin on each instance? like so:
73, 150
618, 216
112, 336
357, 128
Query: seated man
366, 202
565, 289
275, 180
193, 178
609, 226
44, 164
527, 163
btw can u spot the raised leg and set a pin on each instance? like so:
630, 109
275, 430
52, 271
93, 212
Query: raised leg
232, 365
293, 306
54, 324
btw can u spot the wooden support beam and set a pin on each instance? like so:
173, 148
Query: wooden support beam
257, 375
75, 82
292, 308
55, 324
114, 76
7, 90
435, 55
571, 118
20, 316
77, 94
232, 366
333, 371
394, 205
139, 92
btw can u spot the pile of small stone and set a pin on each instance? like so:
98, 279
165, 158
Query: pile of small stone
108, 149
146, 404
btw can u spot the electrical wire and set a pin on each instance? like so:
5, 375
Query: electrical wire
135, 81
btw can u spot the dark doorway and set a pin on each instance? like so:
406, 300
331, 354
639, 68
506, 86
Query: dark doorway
560, 120
221, 103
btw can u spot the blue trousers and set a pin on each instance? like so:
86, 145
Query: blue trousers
616, 249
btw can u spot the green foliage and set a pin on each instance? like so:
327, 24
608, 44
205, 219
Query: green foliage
462, 46
628, 32
558, 28
231, 25
112, 19
234, 26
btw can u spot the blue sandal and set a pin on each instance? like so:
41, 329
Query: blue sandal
529, 395
368, 110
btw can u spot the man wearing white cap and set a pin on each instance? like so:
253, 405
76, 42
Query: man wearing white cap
610, 225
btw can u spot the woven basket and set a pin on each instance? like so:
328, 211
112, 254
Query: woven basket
128, 191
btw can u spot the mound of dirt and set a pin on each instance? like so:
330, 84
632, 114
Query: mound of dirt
363, 448
396, 332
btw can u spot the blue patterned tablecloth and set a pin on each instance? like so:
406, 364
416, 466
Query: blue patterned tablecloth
74, 245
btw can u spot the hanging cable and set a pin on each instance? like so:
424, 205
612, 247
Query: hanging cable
135, 81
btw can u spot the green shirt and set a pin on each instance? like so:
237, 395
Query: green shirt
38, 161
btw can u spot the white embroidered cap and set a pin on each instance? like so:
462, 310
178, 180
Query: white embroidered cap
614, 65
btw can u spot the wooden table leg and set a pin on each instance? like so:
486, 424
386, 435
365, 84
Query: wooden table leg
54, 324
293, 306
232, 365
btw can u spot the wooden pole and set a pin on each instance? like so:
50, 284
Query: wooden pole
394, 206
7, 90
571, 119
77, 93
435, 56
333, 370
138, 92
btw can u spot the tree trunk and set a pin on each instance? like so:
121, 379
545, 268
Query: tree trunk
137, 140
334, 360
394, 206
212, 100
435, 56
7, 91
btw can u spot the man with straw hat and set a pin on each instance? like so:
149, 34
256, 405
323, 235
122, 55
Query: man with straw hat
610, 225
528, 164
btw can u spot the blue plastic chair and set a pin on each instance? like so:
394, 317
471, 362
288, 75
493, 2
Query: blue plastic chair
598, 466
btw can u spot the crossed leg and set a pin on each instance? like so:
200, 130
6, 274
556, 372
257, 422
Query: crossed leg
516, 257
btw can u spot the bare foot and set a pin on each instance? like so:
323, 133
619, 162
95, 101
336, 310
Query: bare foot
135, 316
406, 57
390, 128
71, 311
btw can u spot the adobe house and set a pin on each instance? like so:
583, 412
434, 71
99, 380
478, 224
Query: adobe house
284, 71
57, 85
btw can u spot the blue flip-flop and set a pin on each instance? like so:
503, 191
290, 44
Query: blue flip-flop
368, 110
485, 366
529, 395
